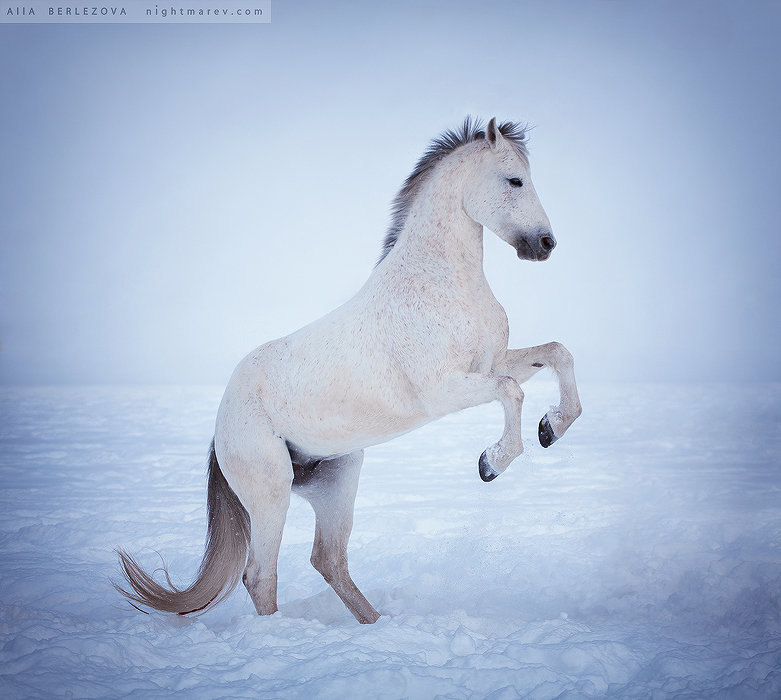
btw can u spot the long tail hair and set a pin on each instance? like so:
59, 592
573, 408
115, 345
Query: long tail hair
227, 542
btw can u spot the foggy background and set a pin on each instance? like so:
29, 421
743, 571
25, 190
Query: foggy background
172, 196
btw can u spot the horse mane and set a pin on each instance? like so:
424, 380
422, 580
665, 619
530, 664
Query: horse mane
470, 131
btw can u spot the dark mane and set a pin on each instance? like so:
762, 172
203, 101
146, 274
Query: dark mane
470, 131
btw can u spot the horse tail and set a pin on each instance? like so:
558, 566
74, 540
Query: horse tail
227, 542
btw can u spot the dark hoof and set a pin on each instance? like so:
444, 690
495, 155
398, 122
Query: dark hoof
486, 471
547, 438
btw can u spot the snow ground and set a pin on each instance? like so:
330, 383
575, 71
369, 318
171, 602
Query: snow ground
638, 557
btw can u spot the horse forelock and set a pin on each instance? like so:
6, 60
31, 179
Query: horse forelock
471, 130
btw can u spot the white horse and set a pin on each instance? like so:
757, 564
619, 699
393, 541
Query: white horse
423, 337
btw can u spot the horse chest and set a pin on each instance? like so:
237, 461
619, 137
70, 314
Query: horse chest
491, 334
458, 333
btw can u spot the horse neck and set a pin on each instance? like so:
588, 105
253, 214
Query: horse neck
438, 235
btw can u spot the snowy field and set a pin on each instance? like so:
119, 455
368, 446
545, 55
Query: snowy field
638, 557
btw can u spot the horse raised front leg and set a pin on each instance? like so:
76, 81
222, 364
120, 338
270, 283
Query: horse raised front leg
331, 487
525, 363
464, 391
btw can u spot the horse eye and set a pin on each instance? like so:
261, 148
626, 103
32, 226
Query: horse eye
515, 181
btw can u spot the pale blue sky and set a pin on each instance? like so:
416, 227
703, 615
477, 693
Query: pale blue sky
173, 195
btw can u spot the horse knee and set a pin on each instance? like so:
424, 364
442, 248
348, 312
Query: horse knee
511, 389
561, 357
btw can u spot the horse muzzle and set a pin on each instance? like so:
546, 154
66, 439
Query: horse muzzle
536, 246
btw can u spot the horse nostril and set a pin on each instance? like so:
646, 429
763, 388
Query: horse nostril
548, 242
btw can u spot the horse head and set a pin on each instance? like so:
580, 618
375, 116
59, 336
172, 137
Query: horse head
500, 194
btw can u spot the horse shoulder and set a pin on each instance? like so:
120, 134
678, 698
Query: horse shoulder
496, 328
437, 326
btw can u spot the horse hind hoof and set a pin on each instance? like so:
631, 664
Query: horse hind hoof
547, 436
487, 472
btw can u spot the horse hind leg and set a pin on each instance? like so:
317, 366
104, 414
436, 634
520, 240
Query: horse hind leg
261, 476
330, 488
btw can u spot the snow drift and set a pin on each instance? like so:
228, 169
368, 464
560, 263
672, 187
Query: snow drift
638, 557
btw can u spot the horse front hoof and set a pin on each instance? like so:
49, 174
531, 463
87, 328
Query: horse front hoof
547, 436
487, 472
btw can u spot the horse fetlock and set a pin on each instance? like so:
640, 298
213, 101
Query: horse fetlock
265, 608
368, 617
562, 419
265, 602
263, 592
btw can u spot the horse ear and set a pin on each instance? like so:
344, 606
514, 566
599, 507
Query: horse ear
494, 136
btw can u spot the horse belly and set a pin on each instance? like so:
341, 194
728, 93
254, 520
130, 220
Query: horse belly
343, 418
340, 406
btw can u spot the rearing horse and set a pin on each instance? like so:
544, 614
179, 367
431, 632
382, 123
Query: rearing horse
422, 338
